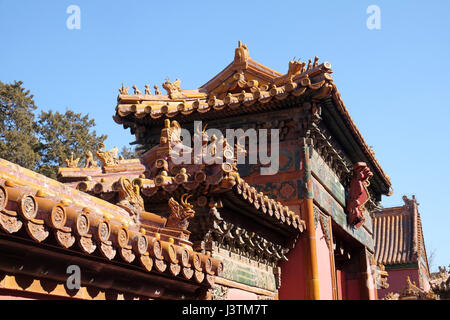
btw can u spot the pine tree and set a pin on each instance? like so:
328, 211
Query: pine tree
44, 144
62, 134
18, 142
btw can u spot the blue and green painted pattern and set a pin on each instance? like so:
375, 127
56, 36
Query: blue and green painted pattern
307, 176
333, 190
368, 223
337, 213
236, 269
401, 266
327, 177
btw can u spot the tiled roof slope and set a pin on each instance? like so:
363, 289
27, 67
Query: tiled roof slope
398, 234
85, 224
157, 173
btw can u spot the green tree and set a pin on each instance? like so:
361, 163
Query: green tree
18, 142
43, 144
62, 134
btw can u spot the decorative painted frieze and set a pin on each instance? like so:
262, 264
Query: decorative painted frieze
246, 271
327, 177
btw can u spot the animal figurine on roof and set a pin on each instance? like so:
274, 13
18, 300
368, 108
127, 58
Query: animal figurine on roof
90, 162
108, 158
173, 88
241, 54
123, 90
72, 163
136, 90
180, 213
129, 198
147, 89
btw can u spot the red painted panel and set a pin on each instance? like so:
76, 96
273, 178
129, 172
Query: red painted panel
293, 274
348, 285
353, 289
397, 280
340, 279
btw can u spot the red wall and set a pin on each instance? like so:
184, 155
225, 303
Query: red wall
349, 285
324, 265
293, 274
353, 289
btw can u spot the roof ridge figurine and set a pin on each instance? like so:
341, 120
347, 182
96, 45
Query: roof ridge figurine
108, 158
173, 88
123, 90
180, 214
71, 162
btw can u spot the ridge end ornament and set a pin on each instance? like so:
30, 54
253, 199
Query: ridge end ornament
130, 198
123, 90
241, 56
173, 88
180, 213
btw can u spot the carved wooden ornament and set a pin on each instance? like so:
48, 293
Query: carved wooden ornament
358, 195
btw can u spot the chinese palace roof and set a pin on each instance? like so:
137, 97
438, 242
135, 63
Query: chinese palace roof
158, 175
246, 87
226, 206
54, 215
398, 234
136, 212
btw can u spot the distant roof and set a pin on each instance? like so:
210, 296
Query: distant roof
398, 234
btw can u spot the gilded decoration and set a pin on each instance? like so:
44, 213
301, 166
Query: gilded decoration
246, 271
219, 292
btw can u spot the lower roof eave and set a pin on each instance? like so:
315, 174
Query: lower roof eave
47, 262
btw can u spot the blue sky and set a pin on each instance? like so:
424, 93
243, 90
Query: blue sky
393, 81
